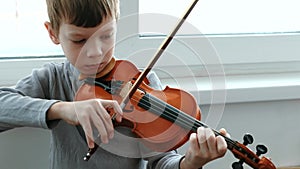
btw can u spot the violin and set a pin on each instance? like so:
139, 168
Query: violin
174, 113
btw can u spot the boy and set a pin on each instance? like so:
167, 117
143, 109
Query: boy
86, 31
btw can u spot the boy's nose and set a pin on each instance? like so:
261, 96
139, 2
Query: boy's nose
94, 50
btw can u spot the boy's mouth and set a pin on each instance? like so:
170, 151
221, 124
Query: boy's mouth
99, 69
94, 66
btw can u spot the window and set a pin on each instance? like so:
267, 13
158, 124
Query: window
25, 43
22, 30
214, 17
260, 63
244, 52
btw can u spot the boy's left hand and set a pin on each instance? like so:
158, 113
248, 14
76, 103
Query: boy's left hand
204, 147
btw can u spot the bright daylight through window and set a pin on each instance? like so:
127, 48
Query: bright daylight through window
227, 17
22, 29
23, 32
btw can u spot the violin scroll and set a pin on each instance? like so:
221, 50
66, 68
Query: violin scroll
245, 155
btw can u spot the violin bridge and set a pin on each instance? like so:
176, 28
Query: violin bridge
125, 89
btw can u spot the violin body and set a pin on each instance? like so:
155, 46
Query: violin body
146, 118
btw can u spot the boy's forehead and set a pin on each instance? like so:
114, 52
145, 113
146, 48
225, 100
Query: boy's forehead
106, 25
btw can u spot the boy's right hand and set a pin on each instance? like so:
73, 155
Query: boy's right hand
89, 114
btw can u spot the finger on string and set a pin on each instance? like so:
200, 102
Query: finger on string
224, 132
221, 145
193, 141
201, 133
211, 141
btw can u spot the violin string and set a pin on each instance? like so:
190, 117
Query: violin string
181, 118
157, 108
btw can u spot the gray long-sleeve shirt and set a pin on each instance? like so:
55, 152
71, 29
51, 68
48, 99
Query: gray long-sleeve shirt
27, 103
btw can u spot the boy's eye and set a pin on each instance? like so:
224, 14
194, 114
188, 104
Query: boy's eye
79, 41
108, 36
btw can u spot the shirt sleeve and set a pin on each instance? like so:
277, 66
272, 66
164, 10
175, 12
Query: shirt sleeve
168, 160
18, 110
27, 103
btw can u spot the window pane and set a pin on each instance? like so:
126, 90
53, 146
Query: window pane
223, 17
22, 31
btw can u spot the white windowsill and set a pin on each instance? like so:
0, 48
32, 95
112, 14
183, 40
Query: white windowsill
246, 88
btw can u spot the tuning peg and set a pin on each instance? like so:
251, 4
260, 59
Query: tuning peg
237, 165
248, 139
261, 149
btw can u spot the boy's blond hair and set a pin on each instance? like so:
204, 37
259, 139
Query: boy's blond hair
83, 13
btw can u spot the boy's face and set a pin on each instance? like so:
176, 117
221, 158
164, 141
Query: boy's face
88, 49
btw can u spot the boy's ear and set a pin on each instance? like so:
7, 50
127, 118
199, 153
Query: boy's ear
51, 33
